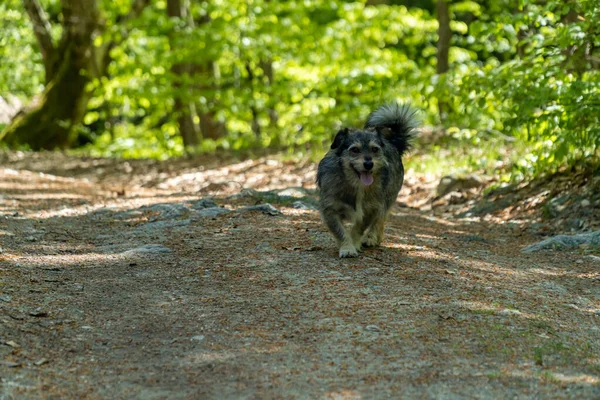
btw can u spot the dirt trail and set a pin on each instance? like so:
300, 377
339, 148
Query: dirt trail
125, 280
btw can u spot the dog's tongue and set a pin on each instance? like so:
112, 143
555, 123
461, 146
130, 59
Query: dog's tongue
366, 178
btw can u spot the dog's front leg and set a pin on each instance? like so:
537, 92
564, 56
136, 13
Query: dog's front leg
375, 232
344, 238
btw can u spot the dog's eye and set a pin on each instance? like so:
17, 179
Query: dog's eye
375, 150
354, 150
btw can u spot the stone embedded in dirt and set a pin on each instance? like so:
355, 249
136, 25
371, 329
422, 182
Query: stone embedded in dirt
282, 196
244, 194
561, 242
593, 258
197, 338
373, 328
147, 249
203, 204
266, 208
41, 361
78, 287
167, 211
5, 297
212, 212
453, 183
10, 364
301, 205
38, 312
585, 203
293, 192
161, 225
508, 311
127, 214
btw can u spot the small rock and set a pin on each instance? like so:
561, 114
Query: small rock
41, 361
78, 287
166, 211
580, 261
148, 249
12, 344
293, 192
565, 242
38, 312
30, 239
266, 208
301, 205
451, 272
204, 203
508, 311
86, 327
212, 212
373, 328
585, 203
453, 183
5, 297
10, 364
197, 338
594, 258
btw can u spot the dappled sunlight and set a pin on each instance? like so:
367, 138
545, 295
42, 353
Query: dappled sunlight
161, 237
552, 376
343, 394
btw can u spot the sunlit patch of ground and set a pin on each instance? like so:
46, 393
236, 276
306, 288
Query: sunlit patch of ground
112, 285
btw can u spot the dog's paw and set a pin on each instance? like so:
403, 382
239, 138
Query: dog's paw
371, 240
348, 250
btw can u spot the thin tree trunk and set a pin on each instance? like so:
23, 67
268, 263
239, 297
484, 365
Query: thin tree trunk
443, 46
267, 67
184, 109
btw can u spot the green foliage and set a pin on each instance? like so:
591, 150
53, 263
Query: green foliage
21, 67
526, 72
546, 92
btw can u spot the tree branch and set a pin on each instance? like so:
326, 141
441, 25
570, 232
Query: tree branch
41, 26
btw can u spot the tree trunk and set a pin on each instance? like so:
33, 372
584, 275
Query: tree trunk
185, 111
51, 124
443, 46
69, 67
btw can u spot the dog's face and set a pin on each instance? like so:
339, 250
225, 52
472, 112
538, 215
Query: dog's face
361, 152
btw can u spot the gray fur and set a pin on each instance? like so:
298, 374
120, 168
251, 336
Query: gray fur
400, 119
344, 197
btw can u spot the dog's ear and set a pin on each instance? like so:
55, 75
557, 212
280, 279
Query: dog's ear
339, 138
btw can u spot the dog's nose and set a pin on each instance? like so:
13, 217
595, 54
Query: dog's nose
368, 165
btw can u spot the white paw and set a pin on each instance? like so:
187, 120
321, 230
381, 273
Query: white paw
348, 250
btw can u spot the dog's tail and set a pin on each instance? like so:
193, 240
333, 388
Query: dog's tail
396, 123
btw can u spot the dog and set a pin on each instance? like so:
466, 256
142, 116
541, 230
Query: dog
361, 175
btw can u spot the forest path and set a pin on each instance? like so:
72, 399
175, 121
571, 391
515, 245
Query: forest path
163, 281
